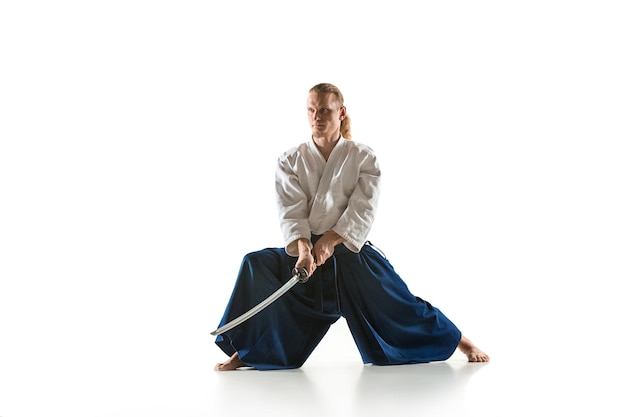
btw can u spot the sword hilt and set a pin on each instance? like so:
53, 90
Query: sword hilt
301, 273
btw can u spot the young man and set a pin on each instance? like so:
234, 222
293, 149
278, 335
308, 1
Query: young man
327, 191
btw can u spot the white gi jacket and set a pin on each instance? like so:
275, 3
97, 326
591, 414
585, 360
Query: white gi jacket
315, 195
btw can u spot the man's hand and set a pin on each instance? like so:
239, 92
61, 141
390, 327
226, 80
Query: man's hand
324, 248
305, 257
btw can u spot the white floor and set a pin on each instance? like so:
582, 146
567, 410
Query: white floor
177, 380
517, 382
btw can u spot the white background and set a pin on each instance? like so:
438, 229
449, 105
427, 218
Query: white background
138, 143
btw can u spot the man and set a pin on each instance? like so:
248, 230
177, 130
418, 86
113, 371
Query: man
327, 193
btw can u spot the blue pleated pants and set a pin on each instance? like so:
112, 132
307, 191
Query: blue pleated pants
389, 324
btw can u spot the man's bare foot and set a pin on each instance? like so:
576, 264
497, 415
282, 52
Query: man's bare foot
231, 364
471, 351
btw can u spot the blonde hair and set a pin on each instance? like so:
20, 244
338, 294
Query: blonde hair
344, 128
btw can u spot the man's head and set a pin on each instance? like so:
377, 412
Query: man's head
326, 112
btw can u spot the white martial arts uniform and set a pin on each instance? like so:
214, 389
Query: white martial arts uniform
315, 195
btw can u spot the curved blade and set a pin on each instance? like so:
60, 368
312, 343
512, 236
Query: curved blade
300, 275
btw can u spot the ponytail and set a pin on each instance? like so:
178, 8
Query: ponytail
344, 128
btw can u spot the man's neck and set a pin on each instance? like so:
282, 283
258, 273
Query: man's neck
326, 144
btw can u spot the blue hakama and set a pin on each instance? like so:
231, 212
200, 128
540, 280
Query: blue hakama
389, 324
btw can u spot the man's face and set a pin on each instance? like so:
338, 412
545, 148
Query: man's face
325, 115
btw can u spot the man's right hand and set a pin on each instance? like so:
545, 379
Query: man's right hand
305, 257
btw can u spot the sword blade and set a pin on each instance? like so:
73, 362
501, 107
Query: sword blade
300, 275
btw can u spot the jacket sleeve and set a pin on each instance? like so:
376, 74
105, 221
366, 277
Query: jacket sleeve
292, 202
356, 221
